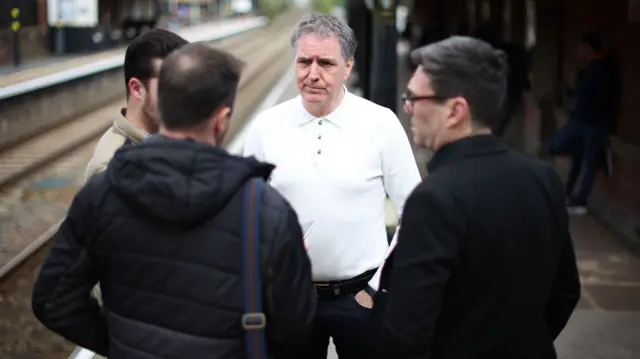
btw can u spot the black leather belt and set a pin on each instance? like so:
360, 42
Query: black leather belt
333, 289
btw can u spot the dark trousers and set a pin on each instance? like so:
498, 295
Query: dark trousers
340, 318
586, 145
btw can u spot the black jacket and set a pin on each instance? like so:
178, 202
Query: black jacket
484, 267
160, 231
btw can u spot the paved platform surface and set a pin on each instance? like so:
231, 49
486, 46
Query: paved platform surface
607, 322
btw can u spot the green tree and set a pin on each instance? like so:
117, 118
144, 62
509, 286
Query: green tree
327, 5
272, 8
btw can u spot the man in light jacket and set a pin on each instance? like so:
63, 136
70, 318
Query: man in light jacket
142, 62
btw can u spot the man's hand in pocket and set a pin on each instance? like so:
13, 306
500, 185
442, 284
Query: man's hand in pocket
364, 299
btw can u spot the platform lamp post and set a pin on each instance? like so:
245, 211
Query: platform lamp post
384, 38
15, 29
59, 39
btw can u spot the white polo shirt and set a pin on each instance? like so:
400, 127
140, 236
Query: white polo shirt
337, 171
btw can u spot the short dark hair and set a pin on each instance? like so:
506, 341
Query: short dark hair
144, 49
470, 68
194, 82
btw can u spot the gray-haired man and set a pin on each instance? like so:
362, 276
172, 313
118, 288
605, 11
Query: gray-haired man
337, 157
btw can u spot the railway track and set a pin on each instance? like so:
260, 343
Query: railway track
39, 177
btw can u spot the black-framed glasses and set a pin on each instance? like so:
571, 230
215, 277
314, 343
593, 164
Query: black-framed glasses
408, 98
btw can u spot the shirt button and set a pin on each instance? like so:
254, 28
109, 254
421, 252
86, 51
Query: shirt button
319, 137
319, 151
320, 122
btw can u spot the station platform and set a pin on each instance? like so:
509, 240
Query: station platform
604, 326
53, 70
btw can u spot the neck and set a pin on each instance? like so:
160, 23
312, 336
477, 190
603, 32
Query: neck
324, 109
471, 132
191, 134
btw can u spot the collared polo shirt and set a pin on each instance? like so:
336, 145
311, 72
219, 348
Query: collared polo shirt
337, 170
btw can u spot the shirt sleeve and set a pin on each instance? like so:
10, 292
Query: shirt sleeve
400, 172
374, 282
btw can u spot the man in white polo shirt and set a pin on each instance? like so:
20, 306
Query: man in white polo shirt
337, 158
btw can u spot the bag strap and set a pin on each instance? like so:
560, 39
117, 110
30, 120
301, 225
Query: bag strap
253, 321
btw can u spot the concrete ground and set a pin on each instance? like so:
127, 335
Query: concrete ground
606, 324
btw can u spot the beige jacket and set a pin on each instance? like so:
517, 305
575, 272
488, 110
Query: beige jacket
114, 138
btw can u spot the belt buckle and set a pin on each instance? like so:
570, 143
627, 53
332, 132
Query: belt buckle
336, 288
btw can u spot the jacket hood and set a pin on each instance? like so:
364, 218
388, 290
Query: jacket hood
181, 182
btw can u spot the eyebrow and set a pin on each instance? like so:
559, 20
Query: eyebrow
320, 59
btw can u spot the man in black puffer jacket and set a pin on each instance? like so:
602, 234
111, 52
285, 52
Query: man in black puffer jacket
161, 231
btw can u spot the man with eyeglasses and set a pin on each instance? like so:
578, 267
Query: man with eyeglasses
337, 158
484, 265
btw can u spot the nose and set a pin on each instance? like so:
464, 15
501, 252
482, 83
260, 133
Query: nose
314, 72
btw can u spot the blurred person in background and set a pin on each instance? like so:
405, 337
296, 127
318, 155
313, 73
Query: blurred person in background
591, 120
337, 157
162, 230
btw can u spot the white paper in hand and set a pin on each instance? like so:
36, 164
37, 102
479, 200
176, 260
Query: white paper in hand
306, 228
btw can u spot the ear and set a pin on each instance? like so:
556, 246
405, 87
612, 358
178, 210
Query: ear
349, 68
458, 108
221, 119
136, 89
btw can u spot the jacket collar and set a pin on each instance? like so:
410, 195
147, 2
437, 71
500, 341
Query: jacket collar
480, 145
122, 126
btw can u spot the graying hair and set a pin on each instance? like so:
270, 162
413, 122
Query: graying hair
324, 26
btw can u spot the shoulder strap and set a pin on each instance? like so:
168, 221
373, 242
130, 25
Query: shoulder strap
253, 320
